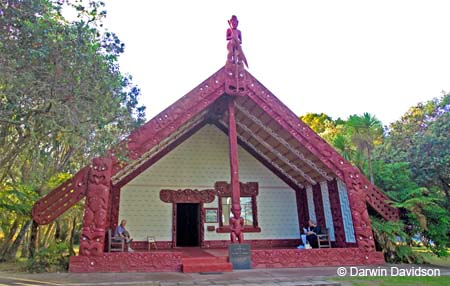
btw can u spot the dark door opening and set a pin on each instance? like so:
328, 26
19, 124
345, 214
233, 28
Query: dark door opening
188, 225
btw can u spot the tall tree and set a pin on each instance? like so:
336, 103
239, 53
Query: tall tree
63, 99
429, 154
420, 138
366, 132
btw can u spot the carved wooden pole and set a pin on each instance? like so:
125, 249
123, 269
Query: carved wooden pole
236, 222
92, 240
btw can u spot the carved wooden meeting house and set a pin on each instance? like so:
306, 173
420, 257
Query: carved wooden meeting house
226, 163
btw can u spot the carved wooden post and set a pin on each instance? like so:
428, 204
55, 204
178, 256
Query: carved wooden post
360, 215
236, 222
92, 240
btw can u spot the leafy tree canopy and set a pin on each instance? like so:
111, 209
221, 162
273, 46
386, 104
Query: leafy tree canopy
63, 100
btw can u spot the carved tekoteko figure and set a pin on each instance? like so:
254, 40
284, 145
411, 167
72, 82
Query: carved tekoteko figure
96, 209
237, 227
234, 38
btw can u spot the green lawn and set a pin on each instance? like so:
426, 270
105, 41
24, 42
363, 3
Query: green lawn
403, 281
433, 259
17, 266
393, 281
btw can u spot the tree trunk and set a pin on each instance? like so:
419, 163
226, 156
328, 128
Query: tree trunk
446, 192
46, 236
12, 252
369, 161
26, 244
9, 238
57, 231
72, 234
33, 240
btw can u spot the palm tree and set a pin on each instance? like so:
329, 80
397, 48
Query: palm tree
366, 132
344, 146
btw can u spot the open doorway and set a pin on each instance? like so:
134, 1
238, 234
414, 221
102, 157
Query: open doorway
188, 221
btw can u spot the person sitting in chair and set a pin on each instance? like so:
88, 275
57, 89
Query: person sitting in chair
121, 231
311, 234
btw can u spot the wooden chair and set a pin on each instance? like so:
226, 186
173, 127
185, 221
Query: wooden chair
151, 241
323, 239
115, 243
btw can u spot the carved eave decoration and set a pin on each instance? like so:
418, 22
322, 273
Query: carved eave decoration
249, 189
187, 196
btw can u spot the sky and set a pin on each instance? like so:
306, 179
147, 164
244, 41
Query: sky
336, 57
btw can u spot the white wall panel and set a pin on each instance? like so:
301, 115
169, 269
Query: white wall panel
311, 208
346, 212
327, 208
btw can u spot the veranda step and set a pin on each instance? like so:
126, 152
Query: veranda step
207, 267
204, 259
206, 264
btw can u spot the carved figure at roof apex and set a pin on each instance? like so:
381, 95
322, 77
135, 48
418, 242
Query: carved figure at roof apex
234, 38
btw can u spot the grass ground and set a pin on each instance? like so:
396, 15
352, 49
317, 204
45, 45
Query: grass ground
429, 257
433, 259
393, 281
17, 266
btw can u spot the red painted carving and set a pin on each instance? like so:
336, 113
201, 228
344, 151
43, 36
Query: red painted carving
187, 196
302, 208
247, 228
236, 222
339, 232
143, 245
48, 208
235, 80
378, 200
127, 262
96, 208
285, 258
174, 225
318, 205
360, 216
202, 225
256, 243
234, 38
250, 189
237, 228
114, 211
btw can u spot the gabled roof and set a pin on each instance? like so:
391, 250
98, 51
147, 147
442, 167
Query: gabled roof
265, 127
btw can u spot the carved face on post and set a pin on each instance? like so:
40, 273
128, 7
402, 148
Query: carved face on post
97, 174
234, 22
237, 212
